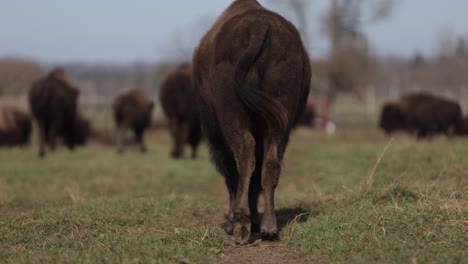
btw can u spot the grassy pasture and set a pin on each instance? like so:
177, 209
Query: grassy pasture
336, 202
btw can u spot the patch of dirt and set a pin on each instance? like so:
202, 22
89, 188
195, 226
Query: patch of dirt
259, 252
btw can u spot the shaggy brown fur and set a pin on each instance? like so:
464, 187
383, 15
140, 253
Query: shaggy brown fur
53, 102
132, 110
423, 115
15, 127
178, 102
251, 75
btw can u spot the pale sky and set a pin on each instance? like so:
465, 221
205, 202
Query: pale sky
152, 30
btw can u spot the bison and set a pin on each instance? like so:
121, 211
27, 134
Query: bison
391, 118
423, 115
53, 103
464, 127
132, 110
308, 117
251, 78
15, 127
177, 99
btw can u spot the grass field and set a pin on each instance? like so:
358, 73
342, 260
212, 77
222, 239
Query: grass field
341, 198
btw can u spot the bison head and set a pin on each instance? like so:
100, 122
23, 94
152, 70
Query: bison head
78, 133
391, 118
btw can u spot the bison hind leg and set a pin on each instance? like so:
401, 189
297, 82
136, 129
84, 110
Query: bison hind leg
226, 165
274, 146
139, 134
194, 137
243, 147
120, 139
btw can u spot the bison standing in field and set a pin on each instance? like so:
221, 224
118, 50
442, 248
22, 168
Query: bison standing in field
53, 102
178, 102
391, 118
251, 76
423, 115
15, 127
132, 111
464, 127
308, 117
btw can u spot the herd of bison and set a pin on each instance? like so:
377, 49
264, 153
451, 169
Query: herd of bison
245, 90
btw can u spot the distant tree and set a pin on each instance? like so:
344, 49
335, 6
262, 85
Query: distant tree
461, 50
17, 75
351, 63
299, 9
180, 46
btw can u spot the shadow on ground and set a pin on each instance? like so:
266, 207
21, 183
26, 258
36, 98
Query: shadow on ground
284, 216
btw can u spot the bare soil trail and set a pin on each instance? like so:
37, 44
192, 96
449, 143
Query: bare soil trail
258, 251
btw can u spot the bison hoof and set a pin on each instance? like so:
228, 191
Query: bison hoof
242, 226
271, 236
42, 154
241, 234
228, 228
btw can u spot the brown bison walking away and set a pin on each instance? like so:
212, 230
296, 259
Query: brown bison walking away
15, 127
423, 115
53, 103
132, 110
251, 75
178, 102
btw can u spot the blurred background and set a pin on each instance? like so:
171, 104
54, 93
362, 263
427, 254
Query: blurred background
364, 52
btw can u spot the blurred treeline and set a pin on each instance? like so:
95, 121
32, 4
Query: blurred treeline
349, 66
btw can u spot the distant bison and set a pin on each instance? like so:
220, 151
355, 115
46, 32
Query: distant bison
423, 115
132, 111
15, 127
178, 102
251, 76
464, 127
308, 117
391, 118
53, 103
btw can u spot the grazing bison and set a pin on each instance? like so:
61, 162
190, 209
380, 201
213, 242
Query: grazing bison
308, 117
464, 127
391, 118
177, 99
251, 77
132, 110
15, 127
423, 115
53, 103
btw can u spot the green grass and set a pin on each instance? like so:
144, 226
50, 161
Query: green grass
94, 206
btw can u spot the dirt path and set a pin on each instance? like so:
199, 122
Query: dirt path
258, 252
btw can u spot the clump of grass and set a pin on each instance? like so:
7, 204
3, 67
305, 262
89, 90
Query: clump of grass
367, 184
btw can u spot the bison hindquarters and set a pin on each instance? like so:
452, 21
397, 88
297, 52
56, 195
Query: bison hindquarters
252, 76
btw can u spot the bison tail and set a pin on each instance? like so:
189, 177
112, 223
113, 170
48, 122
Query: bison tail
268, 108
